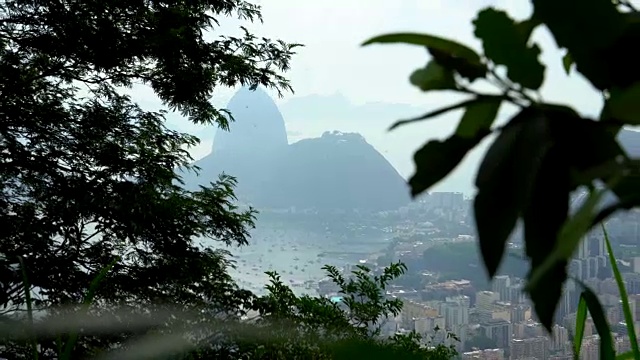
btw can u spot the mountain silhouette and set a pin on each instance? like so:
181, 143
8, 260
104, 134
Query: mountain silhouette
334, 171
259, 127
339, 170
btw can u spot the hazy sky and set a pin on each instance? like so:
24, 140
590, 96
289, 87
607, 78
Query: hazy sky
332, 60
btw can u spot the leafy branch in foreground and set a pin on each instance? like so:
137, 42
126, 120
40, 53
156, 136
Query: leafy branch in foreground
545, 152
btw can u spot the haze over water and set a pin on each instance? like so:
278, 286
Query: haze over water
281, 249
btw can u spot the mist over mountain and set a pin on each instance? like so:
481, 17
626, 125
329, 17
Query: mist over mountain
259, 128
339, 110
372, 120
335, 171
339, 168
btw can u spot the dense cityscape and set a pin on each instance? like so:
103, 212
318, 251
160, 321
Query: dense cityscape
495, 320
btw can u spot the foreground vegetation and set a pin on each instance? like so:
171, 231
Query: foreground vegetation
279, 325
546, 151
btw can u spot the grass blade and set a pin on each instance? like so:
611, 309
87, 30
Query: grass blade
570, 236
628, 317
581, 318
27, 295
88, 299
625, 356
607, 351
95, 283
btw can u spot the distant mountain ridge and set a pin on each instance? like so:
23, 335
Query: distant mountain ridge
334, 171
271, 171
340, 168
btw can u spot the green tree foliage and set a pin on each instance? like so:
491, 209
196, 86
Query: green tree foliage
282, 326
480, 342
316, 328
546, 151
87, 176
462, 261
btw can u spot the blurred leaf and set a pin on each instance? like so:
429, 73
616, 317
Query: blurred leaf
467, 68
567, 63
505, 44
438, 112
624, 298
595, 154
450, 54
622, 64
571, 23
479, 116
586, 177
436, 159
525, 28
626, 186
504, 182
613, 125
88, 300
442, 45
433, 77
543, 217
581, 318
569, 237
624, 105
569, 162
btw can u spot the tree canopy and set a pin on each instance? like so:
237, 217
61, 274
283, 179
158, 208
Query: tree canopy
87, 176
